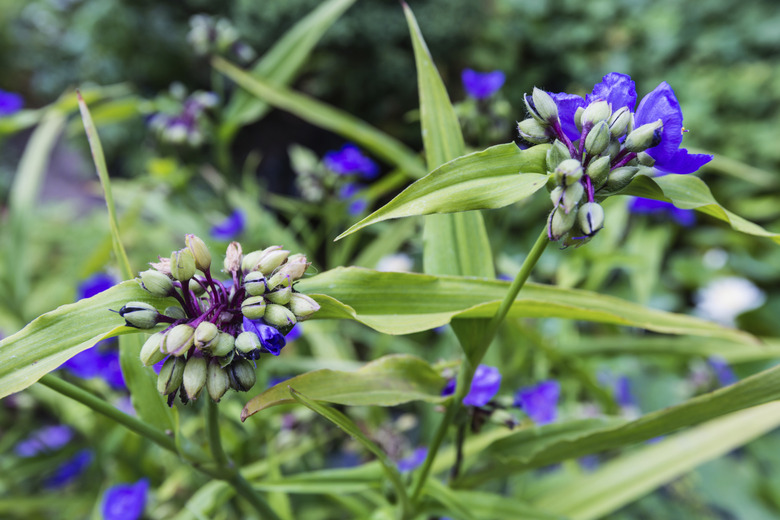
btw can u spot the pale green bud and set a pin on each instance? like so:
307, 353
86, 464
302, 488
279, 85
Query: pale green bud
556, 195
139, 314
598, 170
578, 118
619, 178
151, 352
293, 269
645, 159
177, 313
217, 381
254, 283
194, 377
279, 317
205, 335
271, 260
279, 280
597, 139
248, 345
280, 296
224, 345
182, 265
156, 283
253, 307
596, 112
171, 375
557, 153
232, 261
195, 287
250, 259
242, 375
544, 108
568, 172
179, 339
532, 131
571, 197
614, 147
199, 251
302, 306
644, 137
618, 123
226, 359
560, 223
591, 218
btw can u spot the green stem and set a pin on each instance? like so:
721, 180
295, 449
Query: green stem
212, 431
468, 367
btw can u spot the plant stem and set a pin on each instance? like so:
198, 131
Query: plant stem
212, 431
468, 367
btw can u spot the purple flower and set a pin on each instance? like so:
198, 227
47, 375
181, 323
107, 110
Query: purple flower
348, 191
481, 85
684, 217
413, 461
102, 361
125, 501
69, 470
722, 370
623, 395
10, 103
273, 381
351, 161
229, 228
46, 439
94, 284
486, 382
295, 333
539, 402
357, 207
271, 339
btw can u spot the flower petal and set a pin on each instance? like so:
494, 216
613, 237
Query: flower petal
481, 85
617, 89
567, 107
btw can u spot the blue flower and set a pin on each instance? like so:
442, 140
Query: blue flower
623, 395
357, 207
271, 339
94, 284
102, 361
46, 439
10, 103
482, 85
722, 370
484, 385
69, 470
295, 333
348, 191
351, 161
413, 461
125, 501
684, 217
540, 401
229, 228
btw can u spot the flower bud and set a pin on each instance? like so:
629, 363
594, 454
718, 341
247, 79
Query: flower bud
557, 153
597, 139
217, 381
614, 148
644, 137
293, 269
224, 345
645, 159
532, 131
278, 280
156, 283
619, 178
194, 377
302, 306
280, 317
541, 106
182, 265
556, 195
199, 251
618, 123
195, 287
248, 345
242, 375
250, 259
253, 307
595, 113
571, 196
254, 283
232, 261
151, 352
271, 260
578, 118
171, 375
280, 296
139, 314
591, 218
205, 335
560, 223
179, 339
177, 313
568, 172
598, 170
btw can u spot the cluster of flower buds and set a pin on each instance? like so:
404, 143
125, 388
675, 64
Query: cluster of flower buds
610, 151
209, 35
220, 328
189, 125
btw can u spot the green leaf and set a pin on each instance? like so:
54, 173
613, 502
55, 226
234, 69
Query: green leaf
448, 498
53, 338
402, 303
388, 381
623, 480
283, 61
492, 178
327, 481
325, 116
492, 506
689, 192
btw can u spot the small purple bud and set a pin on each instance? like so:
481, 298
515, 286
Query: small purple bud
271, 339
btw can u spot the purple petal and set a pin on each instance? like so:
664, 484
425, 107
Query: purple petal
481, 85
10, 103
357, 207
125, 501
641, 205
271, 339
449, 388
484, 386
351, 161
539, 402
617, 89
229, 228
722, 370
94, 284
567, 107
683, 162
348, 191
46, 439
295, 333
623, 395
413, 461
111, 371
69, 470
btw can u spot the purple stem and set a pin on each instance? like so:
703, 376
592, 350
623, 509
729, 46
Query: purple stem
556, 125
625, 160
589, 187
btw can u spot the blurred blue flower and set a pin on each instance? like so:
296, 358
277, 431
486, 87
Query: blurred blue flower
125, 501
485, 385
273, 381
10, 103
623, 395
540, 401
94, 284
46, 439
229, 228
348, 191
69, 470
722, 370
351, 161
481, 85
357, 207
414, 460
102, 361
641, 205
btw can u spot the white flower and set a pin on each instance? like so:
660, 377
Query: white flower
724, 299
400, 263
